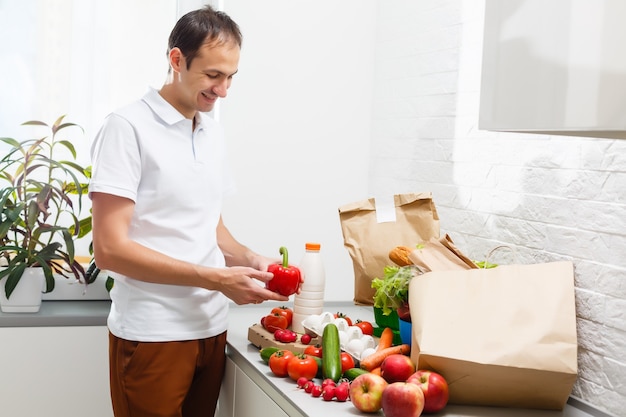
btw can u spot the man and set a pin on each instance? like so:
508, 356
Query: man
159, 177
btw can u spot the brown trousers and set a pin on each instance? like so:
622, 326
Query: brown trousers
166, 379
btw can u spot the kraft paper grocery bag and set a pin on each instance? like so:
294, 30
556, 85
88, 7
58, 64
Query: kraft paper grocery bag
504, 336
372, 227
440, 255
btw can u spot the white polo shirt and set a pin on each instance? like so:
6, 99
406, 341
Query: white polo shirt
177, 177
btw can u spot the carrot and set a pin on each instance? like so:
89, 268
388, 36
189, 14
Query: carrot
386, 339
374, 360
376, 371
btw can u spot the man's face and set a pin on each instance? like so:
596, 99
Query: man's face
207, 79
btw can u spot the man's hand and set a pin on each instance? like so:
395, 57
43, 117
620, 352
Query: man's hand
246, 285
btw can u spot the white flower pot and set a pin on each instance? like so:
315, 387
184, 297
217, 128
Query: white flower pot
26, 298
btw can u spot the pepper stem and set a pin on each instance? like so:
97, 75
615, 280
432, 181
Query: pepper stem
283, 251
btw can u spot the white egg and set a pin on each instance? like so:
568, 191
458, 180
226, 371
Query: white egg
313, 321
355, 347
343, 338
341, 323
327, 317
354, 332
368, 341
366, 352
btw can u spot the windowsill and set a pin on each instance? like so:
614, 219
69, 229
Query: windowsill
61, 313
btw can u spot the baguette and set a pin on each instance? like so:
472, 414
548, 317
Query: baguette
400, 255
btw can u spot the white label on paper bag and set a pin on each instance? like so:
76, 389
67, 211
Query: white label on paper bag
385, 209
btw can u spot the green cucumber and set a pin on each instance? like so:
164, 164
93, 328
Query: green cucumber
331, 353
267, 352
352, 373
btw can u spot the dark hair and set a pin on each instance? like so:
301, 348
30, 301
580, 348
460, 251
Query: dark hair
200, 26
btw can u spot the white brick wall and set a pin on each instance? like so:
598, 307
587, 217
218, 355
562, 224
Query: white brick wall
549, 197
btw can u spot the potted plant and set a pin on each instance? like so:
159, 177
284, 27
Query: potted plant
41, 201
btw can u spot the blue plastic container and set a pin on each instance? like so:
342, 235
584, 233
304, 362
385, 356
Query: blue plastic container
405, 331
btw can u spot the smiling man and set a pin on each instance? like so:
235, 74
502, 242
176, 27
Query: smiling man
160, 174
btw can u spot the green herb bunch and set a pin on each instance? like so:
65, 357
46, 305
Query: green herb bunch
392, 291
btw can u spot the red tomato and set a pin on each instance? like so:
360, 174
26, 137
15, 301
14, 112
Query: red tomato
273, 322
313, 350
279, 360
302, 365
366, 327
286, 312
340, 315
347, 362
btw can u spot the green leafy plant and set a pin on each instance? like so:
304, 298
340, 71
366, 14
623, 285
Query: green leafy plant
392, 291
41, 200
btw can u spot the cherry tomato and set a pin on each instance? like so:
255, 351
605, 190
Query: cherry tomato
365, 326
301, 365
340, 315
284, 311
273, 322
313, 350
347, 362
279, 360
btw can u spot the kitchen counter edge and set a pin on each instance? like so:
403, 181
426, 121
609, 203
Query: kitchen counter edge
60, 314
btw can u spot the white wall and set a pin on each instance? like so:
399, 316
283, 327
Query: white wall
298, 119
549, 197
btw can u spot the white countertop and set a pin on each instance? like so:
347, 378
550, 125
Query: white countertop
296, 402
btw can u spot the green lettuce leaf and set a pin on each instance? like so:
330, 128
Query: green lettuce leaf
393, 289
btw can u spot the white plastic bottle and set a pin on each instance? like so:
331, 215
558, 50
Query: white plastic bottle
311, 298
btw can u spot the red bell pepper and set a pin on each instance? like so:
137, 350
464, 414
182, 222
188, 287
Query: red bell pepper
286, 279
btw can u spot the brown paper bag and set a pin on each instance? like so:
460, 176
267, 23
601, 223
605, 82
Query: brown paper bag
501, 337
371, 228
440, 255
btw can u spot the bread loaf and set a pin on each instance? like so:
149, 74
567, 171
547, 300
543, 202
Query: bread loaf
400, 255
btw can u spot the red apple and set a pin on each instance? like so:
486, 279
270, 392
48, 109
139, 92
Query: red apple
366, 392
397, 368
402, 399
435, 389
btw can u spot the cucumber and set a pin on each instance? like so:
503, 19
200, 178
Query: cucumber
267, 352
331, 353
352, 373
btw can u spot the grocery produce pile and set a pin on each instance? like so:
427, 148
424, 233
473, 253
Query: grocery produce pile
372, 374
